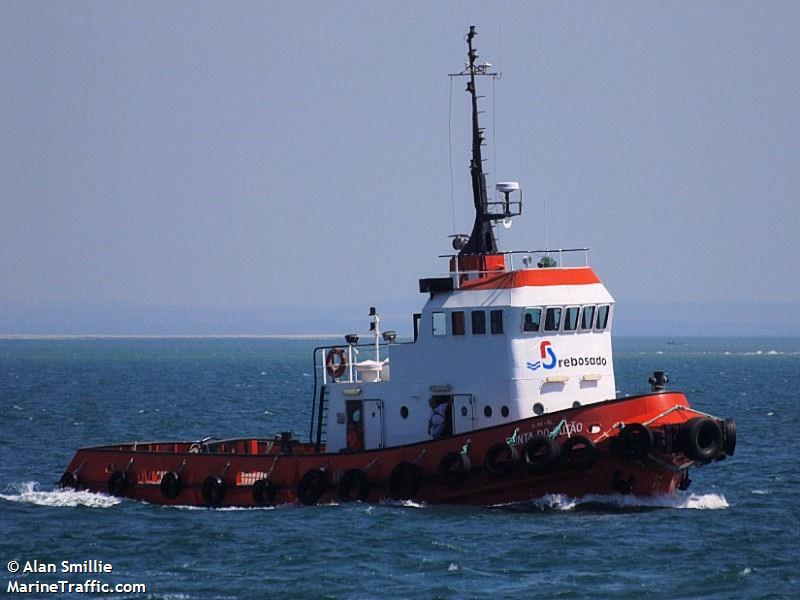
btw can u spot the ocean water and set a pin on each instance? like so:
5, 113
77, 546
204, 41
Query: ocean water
734, 534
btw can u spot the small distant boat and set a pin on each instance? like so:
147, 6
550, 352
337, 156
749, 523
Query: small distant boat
505, 394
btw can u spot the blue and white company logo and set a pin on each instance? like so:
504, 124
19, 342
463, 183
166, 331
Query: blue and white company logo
547, 352
552, 361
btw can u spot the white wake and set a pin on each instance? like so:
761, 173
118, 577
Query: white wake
29, 493
693, 501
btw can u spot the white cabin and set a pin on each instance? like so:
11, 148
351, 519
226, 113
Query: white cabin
491, 346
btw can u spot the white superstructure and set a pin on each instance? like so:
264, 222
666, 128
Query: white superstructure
499, 347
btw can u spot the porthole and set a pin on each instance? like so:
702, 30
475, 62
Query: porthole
404, 412
576, 404
487, 411
538, 409
464, 411
504, 411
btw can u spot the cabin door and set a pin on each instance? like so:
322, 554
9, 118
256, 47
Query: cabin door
373, 424
463, 413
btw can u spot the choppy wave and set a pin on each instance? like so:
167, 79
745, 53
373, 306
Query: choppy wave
29, 493
618, 502
220, 508
406, 503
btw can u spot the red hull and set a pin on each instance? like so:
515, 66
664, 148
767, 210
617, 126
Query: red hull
238, 463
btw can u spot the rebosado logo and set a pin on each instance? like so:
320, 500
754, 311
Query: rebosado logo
547, 352
549, 360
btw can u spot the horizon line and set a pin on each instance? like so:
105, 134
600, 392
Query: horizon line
306, 336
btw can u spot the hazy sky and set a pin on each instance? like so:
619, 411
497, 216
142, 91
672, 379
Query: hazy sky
266, 154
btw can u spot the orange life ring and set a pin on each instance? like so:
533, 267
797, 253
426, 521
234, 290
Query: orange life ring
335, 362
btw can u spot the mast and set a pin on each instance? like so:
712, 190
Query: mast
481, 240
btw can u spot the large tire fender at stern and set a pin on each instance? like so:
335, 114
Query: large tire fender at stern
729, 436
701, 439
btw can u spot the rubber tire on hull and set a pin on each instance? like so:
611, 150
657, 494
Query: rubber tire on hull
579, 459
117, 483
68, 480
701, 439
537, 463
354, 485
171, 485
312, 486
636, 441
404, 481
453, 469
214, 489
264, 492
620, 483
729, 435
501, 460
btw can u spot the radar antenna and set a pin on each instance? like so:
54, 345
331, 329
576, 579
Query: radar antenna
481, 240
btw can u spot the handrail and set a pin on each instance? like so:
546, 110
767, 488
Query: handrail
317, 398
545, 252
539, 251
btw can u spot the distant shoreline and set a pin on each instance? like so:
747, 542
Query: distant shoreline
100, 336
678, 339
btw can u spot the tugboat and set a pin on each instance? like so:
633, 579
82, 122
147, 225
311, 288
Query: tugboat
505, 394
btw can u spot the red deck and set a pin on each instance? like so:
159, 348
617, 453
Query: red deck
238, 464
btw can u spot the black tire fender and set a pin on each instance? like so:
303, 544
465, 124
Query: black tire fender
729, 436
540, 454
404, 481
701, 439
117, 482
637, 441
312, 486
68, 480
582, 457
214, 489
501, 460
171, 485
354, 485
453, 469
264, 492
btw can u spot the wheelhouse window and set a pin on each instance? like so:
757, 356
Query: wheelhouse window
552, 319
478, 322
571, 318
532, 320
496, 317
457, 322
587, 318
602, 316
439, 324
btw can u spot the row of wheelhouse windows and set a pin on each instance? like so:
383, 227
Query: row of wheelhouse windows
535, 319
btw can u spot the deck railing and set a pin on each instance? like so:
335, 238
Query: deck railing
553, 258
377, 352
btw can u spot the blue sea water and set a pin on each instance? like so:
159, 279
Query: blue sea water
734, 534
